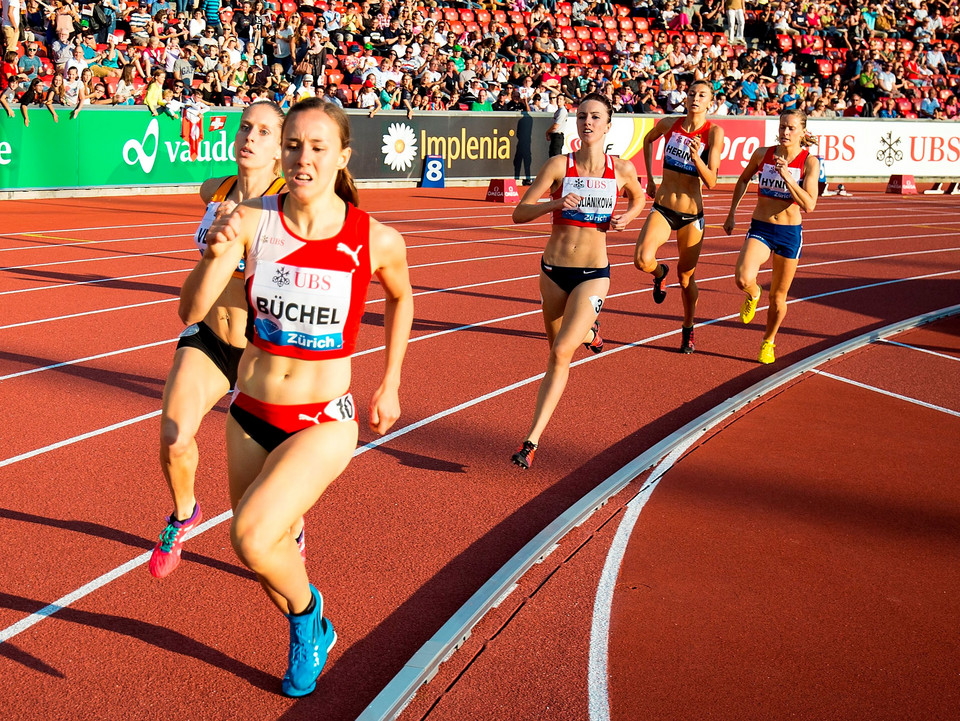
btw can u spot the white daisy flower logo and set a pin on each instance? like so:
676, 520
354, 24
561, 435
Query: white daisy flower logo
399, 146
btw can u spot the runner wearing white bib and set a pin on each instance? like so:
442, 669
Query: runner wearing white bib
574, 270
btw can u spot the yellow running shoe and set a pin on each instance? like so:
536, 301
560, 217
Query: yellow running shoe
766, 352
749, 308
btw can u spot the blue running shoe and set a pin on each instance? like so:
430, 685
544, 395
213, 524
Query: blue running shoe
311, 638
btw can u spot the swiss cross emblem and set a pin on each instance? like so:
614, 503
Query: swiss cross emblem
217, 122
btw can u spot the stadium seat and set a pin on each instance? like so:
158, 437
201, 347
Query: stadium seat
825, 66
483, 16
598, 35
450, 14
467, 16
583, 33
335, 76
641, 24
610, 23
626, 24
499, 17
623, 10
567, 33
516, 18
562, 21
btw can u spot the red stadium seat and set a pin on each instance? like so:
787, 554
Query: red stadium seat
573, 46
458, 27
705, 39
641, 24
500, 17
690, 38
825, 66
483, 16
562, 21
630, 36
450, 14
623, 10
335, 76
785, 42
583, 33
598, 35
567, 33
564, 9
516, 18
467, 16
610, 23
626, 24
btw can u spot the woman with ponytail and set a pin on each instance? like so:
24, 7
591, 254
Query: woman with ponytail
787, 184
208, 352
309, 257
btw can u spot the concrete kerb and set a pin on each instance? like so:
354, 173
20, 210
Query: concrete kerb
425, 663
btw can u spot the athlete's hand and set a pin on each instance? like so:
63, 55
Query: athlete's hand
695, 145
651, 187
783, 168
618, 223
224, 232
225, 208
570, 201
729, 224
384, 409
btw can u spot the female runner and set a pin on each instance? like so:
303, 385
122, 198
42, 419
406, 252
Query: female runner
205, 363
788, 184
574, 271
310, 254
691, 156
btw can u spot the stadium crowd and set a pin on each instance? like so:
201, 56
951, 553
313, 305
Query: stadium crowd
894, 58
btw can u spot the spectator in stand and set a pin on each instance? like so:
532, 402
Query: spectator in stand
929, 104
390, 95
11, 22
211, 13
61, 50
369, 99
137, 19
886, 108
33, 95
736, 20
126, 91
29, 64
579, 11
153, 95
857, 107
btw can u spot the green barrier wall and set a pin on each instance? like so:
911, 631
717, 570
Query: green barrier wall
110, 147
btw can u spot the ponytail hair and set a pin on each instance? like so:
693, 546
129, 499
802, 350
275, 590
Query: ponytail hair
344, 186
808, 138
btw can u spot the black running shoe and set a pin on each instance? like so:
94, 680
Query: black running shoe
524, 456
686, 344
658, 293
596, 345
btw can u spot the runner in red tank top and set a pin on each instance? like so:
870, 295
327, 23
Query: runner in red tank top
691, 157
574, 270
208, 353
292, 426
789, 177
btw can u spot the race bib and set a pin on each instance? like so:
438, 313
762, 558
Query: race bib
598, 198
300, 307
772, 185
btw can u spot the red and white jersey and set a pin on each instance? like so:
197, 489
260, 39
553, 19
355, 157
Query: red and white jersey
598, 196
676, 147
771, 184
306, 296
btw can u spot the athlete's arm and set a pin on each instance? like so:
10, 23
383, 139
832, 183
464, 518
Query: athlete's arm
388, 255
658, 130
805, 195
708, 171
226, 244
530, 207
627, 179
741, 187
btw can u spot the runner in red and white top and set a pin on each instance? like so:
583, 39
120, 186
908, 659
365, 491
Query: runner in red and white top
292, 426
208, 352
574, 270
788, 180
691, 158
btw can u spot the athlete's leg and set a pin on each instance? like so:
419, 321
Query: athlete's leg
753, 254
655, 232
270, 492
784, 270
579, 314
193, 387
689, 244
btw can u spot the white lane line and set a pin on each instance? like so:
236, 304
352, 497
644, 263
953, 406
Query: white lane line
597, 688
22, 625
94, 243
98, 259
77, 361
87, 312
891, 394
110, 279
76, 439
921, 350
74, 596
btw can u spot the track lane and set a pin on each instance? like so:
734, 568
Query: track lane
483, 462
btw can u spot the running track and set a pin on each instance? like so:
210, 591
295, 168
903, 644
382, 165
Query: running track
420, 521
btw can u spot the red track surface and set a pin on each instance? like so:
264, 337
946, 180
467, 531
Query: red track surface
416, 525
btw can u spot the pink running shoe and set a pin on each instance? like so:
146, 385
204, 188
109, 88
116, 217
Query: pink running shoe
166, 554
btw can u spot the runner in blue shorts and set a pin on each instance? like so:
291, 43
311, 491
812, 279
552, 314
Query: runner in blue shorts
788, 177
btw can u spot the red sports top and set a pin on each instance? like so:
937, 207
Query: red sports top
676, 147
306, 296
598, 196
770, 182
